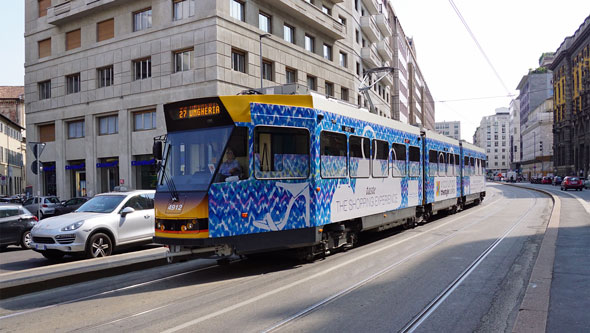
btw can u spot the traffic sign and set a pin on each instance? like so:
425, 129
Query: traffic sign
36, 168
37, 148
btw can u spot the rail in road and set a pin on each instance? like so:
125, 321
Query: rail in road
463, 272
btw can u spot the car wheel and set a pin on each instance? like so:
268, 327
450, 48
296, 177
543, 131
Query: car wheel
53, 255
100, 245
26, 239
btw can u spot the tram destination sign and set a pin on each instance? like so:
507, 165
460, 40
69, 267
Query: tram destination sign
196, 113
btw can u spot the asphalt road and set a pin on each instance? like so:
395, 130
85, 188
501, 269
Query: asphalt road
464, 272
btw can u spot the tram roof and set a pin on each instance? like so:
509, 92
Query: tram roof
473, 147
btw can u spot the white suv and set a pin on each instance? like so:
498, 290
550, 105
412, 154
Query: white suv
102, 223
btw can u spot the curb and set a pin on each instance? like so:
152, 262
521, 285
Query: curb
534, 309
59, 271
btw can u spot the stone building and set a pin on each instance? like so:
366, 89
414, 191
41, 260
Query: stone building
97, 73
493, 135
571, 104
537, 142
12, 140
515, 140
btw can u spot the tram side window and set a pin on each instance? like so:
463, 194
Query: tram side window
380, 158
432, 163
472, 166
398, 160
466, 171
333, 151
414, 161
359, 150
442, 163
281, 152
457, 165
450, 164
477, 167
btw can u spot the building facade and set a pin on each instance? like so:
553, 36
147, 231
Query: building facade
97, 73
515, 142
537, 142
535, 88
452, 129
571, 104
12, 140
493, 135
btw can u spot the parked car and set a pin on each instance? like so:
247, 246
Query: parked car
16, 223
546, 180
103, 223
571, 182
557, 180
70, 205
48, 205
586, 182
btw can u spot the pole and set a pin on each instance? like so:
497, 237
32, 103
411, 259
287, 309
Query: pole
38, 189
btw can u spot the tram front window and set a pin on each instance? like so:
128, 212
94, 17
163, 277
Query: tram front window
192, 158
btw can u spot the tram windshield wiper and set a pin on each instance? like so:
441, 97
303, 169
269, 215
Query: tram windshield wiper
162, 165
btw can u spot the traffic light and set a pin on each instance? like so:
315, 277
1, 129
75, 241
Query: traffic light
541, 145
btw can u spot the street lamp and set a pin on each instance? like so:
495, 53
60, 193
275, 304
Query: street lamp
260, 41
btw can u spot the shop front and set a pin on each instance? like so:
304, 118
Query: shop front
77, 170
108, 171
144, 167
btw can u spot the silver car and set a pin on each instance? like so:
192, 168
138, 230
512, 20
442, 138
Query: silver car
47, 205
100, 225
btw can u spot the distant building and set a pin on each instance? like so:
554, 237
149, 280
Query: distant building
535, 88
12, 140
515, 142
492, 135
537, 141
451, 129
571, 104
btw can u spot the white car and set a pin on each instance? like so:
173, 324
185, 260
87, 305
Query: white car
100, 225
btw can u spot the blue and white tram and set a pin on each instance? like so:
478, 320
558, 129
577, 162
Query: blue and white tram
267, 172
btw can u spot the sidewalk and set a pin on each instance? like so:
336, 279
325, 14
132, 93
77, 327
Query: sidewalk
558, 294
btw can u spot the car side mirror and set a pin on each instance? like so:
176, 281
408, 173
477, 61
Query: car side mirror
126, 210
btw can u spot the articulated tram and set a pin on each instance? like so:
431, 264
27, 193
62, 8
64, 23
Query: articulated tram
254, 173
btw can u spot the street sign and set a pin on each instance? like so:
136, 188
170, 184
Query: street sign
36, 168
37, 148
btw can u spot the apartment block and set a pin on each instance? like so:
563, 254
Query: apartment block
493, 135
452, 129
97, 73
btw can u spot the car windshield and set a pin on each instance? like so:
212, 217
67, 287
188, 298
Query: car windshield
193, 156
101, 204
574, 178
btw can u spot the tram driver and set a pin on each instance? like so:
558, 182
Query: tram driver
230, 169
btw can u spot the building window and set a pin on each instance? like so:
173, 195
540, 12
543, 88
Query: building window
326, 10
264, 22
73, 40
311, 83
342, 20
289, 33
238, 61
47, 133
108, 125
105, 76
105, 30
343, 59
142, 19
358, 68
73, 83
144, 120
44, 89
291, 75
327, 51
329, 86
44, 48
43, 5
76, 129
267, 70
183, 60
309, 43
357, 36
344, 94
237, 9
182, 9
142, 69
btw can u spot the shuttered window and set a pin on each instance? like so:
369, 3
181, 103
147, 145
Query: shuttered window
105, 30
73, 40
47, 133
43, 5
45, 48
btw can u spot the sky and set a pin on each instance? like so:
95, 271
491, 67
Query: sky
513, 34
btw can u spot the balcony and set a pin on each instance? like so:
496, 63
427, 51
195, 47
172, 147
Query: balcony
369, 28
312, 16
384, 50
370, 57
383, 25
372, 6
70, 10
